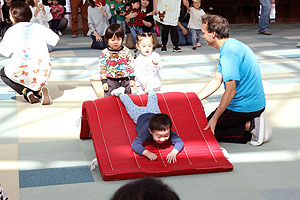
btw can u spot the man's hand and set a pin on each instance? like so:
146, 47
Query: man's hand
151, 156
105, 86
211, 124
171, 157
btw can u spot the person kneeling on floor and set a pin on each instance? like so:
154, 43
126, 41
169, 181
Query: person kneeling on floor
29, 67
238, 118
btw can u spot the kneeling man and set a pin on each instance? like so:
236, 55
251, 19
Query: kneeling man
244, 97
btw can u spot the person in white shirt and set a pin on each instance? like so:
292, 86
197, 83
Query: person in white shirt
40, 13
195, 23
147, 65
26, 44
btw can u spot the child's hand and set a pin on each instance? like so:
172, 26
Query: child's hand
186, 3
151, 156
105, 86
132, 83
171, 157
154, 62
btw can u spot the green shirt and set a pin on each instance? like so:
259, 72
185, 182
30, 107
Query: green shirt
111, 5
120, 7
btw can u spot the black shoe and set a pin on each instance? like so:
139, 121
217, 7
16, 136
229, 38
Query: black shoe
176, 49
163, 49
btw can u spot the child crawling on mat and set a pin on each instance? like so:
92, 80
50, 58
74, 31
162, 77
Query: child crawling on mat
151, 125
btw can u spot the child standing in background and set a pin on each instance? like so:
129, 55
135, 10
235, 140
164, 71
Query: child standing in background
116, 62
120, 13
111, 4
57, 11
147, 65
195, 22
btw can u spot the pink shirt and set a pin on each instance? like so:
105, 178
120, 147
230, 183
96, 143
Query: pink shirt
58, 13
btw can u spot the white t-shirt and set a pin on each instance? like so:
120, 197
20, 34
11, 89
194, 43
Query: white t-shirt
195, 18
26, 43
41, 18
146, 72
168, 12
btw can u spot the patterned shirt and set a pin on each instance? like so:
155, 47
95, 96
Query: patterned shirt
116, 64
138, 20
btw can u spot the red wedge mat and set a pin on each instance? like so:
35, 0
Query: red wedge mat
106, 121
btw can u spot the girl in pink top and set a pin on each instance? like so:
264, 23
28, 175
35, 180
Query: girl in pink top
57, 12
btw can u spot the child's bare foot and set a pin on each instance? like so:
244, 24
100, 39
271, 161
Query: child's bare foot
118, 92
46, 99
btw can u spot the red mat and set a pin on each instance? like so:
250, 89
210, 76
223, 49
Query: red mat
106, 121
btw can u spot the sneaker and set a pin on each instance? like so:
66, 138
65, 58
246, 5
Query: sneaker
59, 33
46, 99
266, 32
262, 131
298, 45
225, 153
31, 98
176, 49
194, 47
118, 92
74, 36
198, 44
163, 49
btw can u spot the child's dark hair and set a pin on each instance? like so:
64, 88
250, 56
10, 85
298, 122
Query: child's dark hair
144, 189
20, 12
160, 122
114, 29
92, 3
134, 1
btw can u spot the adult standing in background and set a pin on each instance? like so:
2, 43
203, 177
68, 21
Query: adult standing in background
166, 12
264, 19
185, 35
6, 24
83, 5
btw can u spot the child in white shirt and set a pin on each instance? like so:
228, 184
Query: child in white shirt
147, 65
195, 22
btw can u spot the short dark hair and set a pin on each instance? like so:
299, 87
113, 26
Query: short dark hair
114, 29
134, 1
20, 12
145, 189
217, 24
92, 3
160, 122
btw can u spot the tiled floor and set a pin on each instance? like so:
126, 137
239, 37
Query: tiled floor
41, 154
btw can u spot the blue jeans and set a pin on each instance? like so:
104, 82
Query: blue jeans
196, 33
135, 111
98, 44
135, 30
122, 23
264, 16
112, 20
184, 39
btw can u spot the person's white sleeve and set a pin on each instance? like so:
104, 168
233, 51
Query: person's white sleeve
158, 60
7, 44
48, 16
139, 70
91, 23
51, 37
107, 10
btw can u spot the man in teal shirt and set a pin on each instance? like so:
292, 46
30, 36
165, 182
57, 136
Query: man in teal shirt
244, 97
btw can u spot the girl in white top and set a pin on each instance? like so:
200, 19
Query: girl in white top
147, 65
40, 14
26, 43
195, 22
